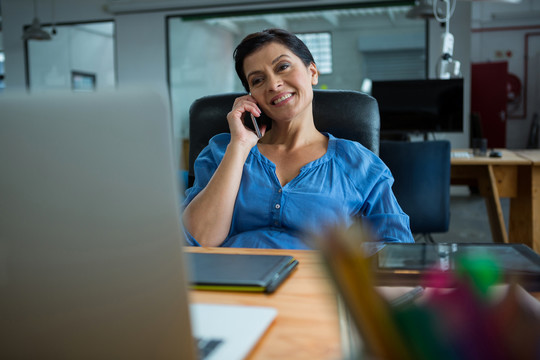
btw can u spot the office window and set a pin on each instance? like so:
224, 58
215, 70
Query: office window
195, 71
81, 81
86, 48
400, 64
320, 45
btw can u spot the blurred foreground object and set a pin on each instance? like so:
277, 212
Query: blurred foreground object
471, 318
413, 264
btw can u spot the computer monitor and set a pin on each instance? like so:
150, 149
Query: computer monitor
420, 106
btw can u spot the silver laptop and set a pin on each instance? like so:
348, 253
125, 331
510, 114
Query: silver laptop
91, 263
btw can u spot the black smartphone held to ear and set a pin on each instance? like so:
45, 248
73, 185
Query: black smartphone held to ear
252, 123
255, 126
255, 123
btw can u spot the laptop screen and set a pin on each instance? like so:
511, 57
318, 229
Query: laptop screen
91, 263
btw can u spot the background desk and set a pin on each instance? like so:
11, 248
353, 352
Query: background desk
531, 206
509, 176
307, 324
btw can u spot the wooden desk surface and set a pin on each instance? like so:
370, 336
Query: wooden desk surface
530, 154
509, 157
307, 324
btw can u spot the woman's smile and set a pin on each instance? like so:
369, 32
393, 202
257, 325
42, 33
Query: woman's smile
281, 99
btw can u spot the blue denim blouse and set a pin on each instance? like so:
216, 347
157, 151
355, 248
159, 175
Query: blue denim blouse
348, 182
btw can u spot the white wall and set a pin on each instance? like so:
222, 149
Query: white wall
141, 50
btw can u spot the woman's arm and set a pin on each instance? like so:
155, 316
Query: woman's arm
386, 218
208, 216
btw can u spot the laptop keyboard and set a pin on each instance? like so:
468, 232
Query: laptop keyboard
207, 346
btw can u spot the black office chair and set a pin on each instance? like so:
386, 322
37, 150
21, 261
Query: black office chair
349, 115
421, 172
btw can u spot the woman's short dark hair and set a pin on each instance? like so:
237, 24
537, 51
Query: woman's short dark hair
255, 41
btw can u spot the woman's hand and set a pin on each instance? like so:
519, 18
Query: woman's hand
209, 215
239, 132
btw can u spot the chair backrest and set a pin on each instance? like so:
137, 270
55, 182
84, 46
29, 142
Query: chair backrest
347, 114
421, 172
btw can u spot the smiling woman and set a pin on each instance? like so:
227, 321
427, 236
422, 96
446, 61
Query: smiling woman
281, 85
272, 191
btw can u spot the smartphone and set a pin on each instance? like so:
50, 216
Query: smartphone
252, 123
255, 126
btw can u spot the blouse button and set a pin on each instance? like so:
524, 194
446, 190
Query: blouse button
279, 190
277, 206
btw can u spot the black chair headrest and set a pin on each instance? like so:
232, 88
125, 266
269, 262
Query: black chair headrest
345, 114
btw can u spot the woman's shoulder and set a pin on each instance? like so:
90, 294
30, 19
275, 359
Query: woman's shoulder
352, 153
220, 140
217, 145
349, 144
359, 164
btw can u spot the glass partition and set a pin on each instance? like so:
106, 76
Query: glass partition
78, 57
200, 50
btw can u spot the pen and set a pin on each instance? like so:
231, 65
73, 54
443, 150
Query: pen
408, 297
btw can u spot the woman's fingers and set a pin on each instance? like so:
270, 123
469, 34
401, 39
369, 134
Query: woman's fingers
247, 103
241, 107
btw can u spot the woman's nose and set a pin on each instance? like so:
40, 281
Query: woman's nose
275, 83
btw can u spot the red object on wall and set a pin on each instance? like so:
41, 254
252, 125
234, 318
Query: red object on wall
489, 100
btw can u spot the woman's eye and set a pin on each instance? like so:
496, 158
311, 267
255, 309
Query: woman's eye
283, 66
256, 81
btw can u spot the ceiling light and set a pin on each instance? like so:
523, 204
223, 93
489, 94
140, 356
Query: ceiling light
35, 32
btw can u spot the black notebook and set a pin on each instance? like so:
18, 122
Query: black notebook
239, 272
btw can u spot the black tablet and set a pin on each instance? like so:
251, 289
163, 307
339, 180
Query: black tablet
408, 264
239, 272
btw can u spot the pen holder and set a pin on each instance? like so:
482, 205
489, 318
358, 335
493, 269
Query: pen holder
479, 146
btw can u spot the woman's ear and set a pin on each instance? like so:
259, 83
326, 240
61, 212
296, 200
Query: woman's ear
314, 74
